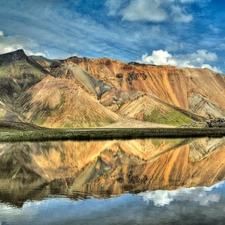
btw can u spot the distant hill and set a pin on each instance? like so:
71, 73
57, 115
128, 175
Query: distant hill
82, 92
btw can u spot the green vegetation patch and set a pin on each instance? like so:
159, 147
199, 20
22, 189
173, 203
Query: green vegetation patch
169, 118
62, 101
42, 134
109, 120
19, 67
40, 120
89, 123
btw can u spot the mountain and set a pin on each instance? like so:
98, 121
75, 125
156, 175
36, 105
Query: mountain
56, 102
82, 92
200, 91
16, 76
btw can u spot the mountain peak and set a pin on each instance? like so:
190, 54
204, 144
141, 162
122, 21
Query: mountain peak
13, 56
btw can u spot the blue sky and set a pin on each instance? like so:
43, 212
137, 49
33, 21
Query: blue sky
184, 33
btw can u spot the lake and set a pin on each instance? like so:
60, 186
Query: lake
141, 181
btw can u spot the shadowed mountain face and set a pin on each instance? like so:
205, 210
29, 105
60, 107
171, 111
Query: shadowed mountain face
16, 76
81, 92
106, 168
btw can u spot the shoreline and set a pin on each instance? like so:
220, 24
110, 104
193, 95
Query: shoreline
86, 134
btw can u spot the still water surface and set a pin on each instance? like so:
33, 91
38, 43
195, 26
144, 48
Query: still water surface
151, 181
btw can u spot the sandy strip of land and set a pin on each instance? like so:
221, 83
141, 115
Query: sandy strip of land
125, 122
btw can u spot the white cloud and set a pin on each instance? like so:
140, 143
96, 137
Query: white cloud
198, 59
144, 10
150, 11
180, 15
65, 30
14, 215
200, 195
158, 57
214, 68
113, 6
187, 1
196, 1
85, 36
13, 43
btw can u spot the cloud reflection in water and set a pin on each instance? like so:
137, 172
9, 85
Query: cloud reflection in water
189, 205
200, 195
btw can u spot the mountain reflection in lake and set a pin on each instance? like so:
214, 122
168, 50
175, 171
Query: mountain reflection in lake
150, 181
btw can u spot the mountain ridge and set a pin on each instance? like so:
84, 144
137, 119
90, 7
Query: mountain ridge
113, 89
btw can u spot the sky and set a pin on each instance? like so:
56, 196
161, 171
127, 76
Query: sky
183, 33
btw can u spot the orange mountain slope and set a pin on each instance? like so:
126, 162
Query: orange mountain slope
56, 102
184, 88
82, 92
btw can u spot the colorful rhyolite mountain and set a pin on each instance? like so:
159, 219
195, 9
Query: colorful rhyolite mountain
82, 92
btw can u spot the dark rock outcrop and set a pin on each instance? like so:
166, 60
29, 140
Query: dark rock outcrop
12, 56
218, 122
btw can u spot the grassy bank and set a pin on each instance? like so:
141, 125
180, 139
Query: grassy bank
7, 135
